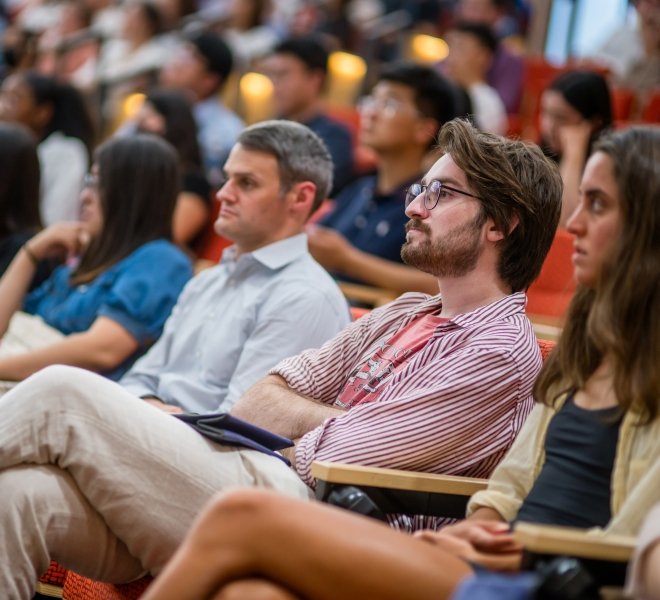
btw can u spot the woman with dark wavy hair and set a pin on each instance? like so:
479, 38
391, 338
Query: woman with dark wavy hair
588, 456
122, 274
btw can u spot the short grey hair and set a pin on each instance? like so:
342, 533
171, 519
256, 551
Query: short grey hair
301, 154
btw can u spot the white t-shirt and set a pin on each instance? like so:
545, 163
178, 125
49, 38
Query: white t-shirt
488, 108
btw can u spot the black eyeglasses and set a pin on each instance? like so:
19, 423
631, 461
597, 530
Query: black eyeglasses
432, 193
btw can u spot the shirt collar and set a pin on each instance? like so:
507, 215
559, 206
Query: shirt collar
505, 307
276, 255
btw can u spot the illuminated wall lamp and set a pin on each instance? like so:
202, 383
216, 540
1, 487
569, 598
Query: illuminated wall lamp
345, 75
428, 49
256, 93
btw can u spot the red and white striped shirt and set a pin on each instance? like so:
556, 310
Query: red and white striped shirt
456, 406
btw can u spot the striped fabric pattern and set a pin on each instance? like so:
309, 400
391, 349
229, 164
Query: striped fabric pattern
454, 409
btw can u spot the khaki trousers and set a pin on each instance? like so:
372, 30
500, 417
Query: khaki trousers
104, 483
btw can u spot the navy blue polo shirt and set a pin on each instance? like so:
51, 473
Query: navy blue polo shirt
372, 222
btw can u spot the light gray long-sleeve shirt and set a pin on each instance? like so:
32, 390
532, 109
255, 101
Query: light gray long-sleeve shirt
235, 321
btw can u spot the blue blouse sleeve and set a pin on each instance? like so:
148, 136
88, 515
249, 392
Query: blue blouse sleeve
146, 289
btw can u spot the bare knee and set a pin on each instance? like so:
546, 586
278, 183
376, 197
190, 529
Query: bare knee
244, 504
253, 589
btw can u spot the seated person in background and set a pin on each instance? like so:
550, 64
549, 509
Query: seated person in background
55, 112
507, 69
298, 68
128, 62
471, 49
360, 239
632, 53
200, 68
588, 456
168, 114
237, 320
575, 109
439, 384
19, 194
123, 275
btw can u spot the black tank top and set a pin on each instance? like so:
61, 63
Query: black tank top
573, 487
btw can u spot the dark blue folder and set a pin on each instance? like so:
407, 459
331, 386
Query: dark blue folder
222, 428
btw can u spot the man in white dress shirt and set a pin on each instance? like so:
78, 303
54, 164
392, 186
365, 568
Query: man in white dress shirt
236, 320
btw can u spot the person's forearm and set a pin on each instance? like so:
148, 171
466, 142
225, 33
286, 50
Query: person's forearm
485, 513
271, 404
14, 285
571, 172
387, 274
78, 350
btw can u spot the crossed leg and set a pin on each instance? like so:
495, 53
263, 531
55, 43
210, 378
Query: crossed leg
141, 474
256, 544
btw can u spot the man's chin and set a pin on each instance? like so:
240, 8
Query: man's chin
412, 257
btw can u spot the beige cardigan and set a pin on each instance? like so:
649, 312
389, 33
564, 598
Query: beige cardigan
635, 477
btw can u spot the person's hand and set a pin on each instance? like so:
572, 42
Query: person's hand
160, 405
60, 240
330, 248
484, 535
495, 560
574, 139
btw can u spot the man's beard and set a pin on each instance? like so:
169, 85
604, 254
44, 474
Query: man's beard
455, 255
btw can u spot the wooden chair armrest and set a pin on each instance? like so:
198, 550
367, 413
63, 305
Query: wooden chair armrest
396, 479
550, 539
368, 295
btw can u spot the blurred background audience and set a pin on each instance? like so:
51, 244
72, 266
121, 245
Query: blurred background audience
558, 73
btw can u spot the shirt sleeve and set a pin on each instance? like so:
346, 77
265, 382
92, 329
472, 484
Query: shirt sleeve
320, 373
146, 289
278, 334
643, 474
429, 418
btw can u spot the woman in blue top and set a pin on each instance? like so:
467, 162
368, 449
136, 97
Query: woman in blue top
122, 275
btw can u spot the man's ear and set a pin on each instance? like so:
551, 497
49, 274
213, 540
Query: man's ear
301, 198
495, 234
